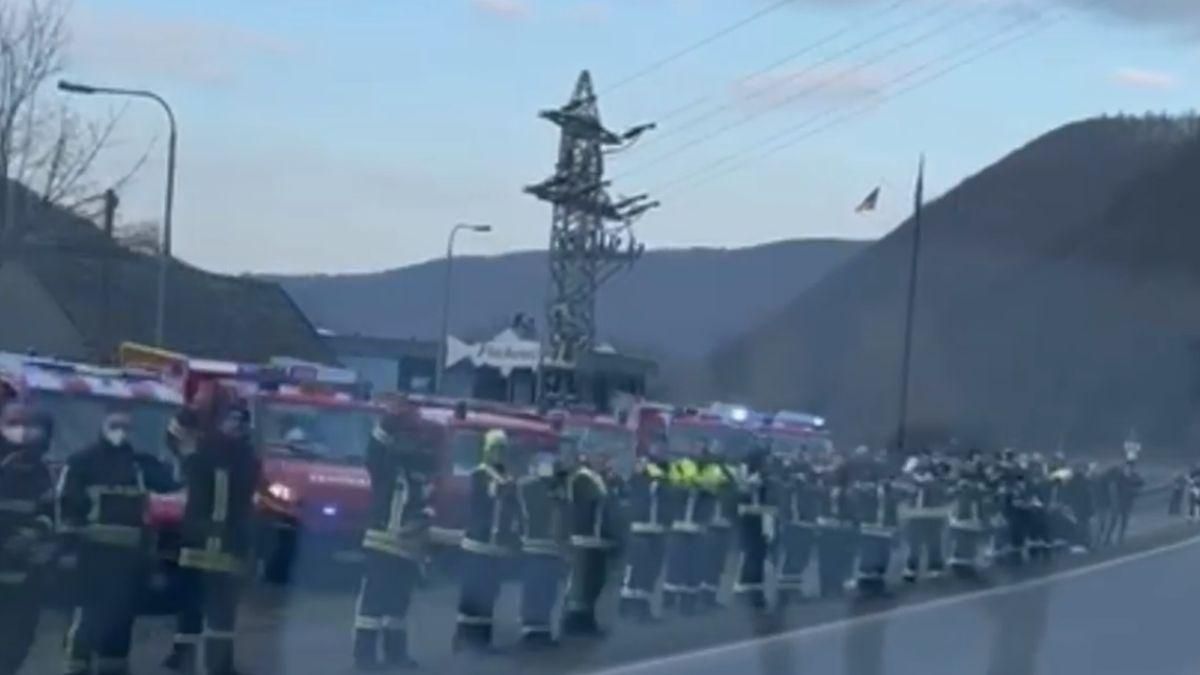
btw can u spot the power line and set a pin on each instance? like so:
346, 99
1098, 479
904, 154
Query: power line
788, 58
696, 46
679, 149
699, 178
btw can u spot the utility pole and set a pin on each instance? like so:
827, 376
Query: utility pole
585, 251
106, 263
910, 311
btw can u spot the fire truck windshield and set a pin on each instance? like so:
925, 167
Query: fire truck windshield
783, 443
77, 420
316, 432
686, 439
614, 443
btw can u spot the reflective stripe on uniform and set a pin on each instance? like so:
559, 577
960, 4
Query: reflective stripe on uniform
755, 509
541, 546
220, 509
368, 623
115, 535
536, 629
467, 620
187, 638
747, 588
393, 623
483, 548
210, 634
686, 526
646, 528
213, 561
583, 541
26, 507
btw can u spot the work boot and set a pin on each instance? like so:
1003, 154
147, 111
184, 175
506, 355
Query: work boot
538, 640
182, 659
395, 650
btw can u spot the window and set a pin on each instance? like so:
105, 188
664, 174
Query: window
77, 421
307, 430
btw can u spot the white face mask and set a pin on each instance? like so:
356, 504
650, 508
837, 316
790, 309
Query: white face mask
116, 437
14, 433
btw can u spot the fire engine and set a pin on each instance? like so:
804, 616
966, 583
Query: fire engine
592, 434
683, 430
797, 433
312, 424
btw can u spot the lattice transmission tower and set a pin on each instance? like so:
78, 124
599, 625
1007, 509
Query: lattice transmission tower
591, 233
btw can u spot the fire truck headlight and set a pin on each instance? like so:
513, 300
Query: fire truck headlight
281, 492
740, 414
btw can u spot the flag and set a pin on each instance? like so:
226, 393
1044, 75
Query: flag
869, 203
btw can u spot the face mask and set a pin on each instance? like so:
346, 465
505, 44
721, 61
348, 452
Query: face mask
14, 433
116, 437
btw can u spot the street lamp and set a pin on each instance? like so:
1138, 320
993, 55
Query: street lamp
443, 346
164, 254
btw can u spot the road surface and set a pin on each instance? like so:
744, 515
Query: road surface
1082, 621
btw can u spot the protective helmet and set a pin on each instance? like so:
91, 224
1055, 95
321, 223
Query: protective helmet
494, 443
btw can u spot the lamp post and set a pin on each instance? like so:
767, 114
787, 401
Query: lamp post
443, 346
164, 254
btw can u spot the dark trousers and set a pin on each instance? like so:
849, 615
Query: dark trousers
752, 561
874, 556
541, 577
925, 541
102, 626
716, 555
797, 544
19, 609
381, 613
589, 573
835, 555
1039, 532
685, 568
481, 575
643, 566
964, 547
1117, 523
208, 616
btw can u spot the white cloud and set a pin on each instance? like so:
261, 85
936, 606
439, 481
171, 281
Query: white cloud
198, 51
822, 84
1144, 79
510, 10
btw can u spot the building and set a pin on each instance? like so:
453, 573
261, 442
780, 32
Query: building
503, 368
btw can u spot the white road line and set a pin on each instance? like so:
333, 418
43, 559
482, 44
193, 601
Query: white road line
676, 660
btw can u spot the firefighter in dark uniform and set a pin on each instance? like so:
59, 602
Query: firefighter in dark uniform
799, 505
836, 530
928, 514
719, 536
490, 539
649, 518
691, 509
591, 540
543, 498
221, 473
101, 503
395, 539
25, 529
1039, 488
968, 498
756, 519
878, 509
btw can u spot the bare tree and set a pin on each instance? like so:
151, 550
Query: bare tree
43, 144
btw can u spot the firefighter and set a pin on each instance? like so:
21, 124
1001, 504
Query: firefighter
968, 516
543, 497
101, 502
799, 505
720, 478
836, 536
649, 517
927, 516
756, 528
25, 528
591, 541
1039, 487
395, 539
877, 509
221, 473
489, 540
690, 509
1124, 484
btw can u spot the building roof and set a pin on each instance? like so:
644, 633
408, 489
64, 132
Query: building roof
371, 346
207, 315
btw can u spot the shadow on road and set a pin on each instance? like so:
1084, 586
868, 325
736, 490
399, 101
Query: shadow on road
1019, 628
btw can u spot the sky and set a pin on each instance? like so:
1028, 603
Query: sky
344, 136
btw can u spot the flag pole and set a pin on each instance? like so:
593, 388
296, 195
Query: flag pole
909, 311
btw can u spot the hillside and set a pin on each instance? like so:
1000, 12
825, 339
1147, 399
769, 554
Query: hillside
682, 301
1054, 304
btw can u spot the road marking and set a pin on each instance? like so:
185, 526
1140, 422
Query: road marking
904, 610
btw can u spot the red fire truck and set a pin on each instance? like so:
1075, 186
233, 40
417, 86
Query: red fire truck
312, 424
592, 434
797, 434
683, 431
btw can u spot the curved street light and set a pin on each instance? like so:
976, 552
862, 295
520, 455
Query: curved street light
443, 346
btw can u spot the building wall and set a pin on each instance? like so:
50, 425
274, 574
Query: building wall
383, 374
31, 319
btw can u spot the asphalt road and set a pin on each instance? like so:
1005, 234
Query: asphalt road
1096, 620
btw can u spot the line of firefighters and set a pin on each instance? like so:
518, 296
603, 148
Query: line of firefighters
677, 519
674, 523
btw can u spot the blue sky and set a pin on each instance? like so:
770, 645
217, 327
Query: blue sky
322, 136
